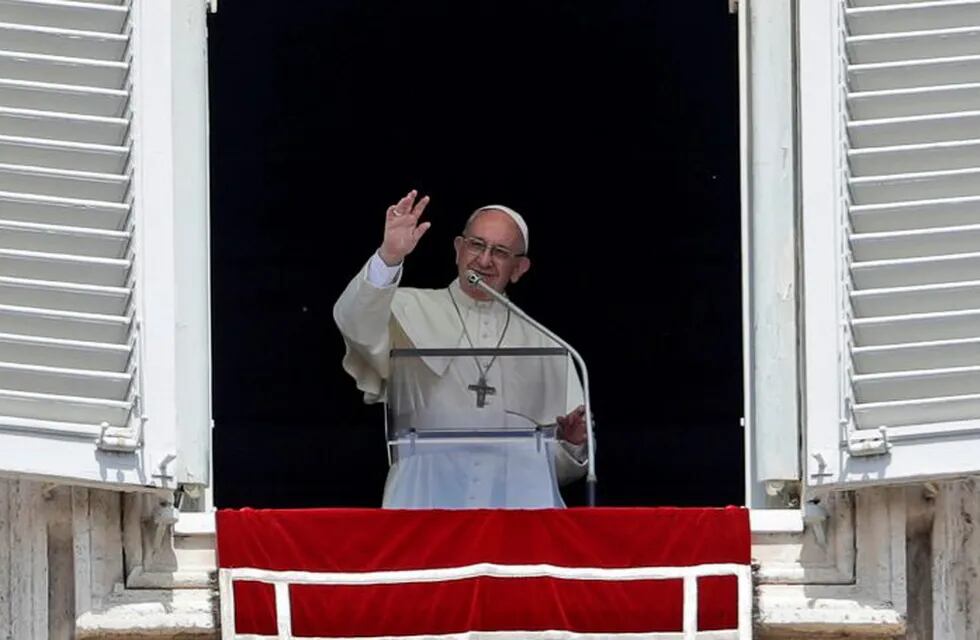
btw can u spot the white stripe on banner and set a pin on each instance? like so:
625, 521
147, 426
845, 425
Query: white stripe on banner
485, 569
530, 635
281, 580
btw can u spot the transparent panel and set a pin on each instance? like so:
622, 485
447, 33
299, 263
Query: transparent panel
475, 427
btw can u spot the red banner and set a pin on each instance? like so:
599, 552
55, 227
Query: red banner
385, 573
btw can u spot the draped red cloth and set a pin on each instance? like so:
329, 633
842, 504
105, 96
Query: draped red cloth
352, 542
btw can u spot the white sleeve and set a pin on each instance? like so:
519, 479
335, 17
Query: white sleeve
363, 315
578, 451
381, 275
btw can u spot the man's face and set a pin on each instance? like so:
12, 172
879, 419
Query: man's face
491, 246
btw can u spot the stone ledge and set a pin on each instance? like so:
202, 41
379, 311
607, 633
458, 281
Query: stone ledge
131, 614
791, 616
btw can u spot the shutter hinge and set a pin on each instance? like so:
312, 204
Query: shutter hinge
127, 439
212, 5
869, 444
733, 6
118, 439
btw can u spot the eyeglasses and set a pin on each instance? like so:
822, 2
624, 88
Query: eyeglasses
477, 246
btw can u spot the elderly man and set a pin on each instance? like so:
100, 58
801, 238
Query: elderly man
375, 315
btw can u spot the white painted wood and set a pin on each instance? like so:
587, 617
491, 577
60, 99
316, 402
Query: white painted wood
63, 98
768, 149
176, 364
71, 458
744, 125
889, 347
192, 244
919, 163
65, 279
64, 13
820, 191
87, 363
71, 43
61, 154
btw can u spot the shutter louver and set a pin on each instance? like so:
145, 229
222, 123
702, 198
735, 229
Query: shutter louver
67, 340
912, 227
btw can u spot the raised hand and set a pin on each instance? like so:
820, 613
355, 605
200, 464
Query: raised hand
402, 228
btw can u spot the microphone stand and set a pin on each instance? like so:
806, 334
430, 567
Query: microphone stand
590, 479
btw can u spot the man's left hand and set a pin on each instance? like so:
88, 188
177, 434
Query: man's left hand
571, 428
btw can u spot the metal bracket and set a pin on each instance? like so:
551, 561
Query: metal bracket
733, 6
163, 476
822, 465
867, 445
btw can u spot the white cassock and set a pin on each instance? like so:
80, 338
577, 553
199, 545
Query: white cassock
375, 316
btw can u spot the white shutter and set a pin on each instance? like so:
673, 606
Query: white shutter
73, 288
903, 98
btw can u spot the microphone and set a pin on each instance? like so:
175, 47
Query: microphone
475, 280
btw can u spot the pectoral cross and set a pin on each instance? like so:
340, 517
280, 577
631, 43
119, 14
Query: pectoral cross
482, 390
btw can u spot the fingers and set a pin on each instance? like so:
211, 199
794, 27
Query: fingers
420, 207
404, 206
420, 230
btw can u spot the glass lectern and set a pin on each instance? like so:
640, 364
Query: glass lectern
470, 428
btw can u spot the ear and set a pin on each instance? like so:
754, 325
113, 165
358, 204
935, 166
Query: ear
522, 266
458, 245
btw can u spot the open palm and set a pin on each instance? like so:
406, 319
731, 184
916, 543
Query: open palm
402, 228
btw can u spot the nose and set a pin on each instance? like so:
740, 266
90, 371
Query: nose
484, 259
